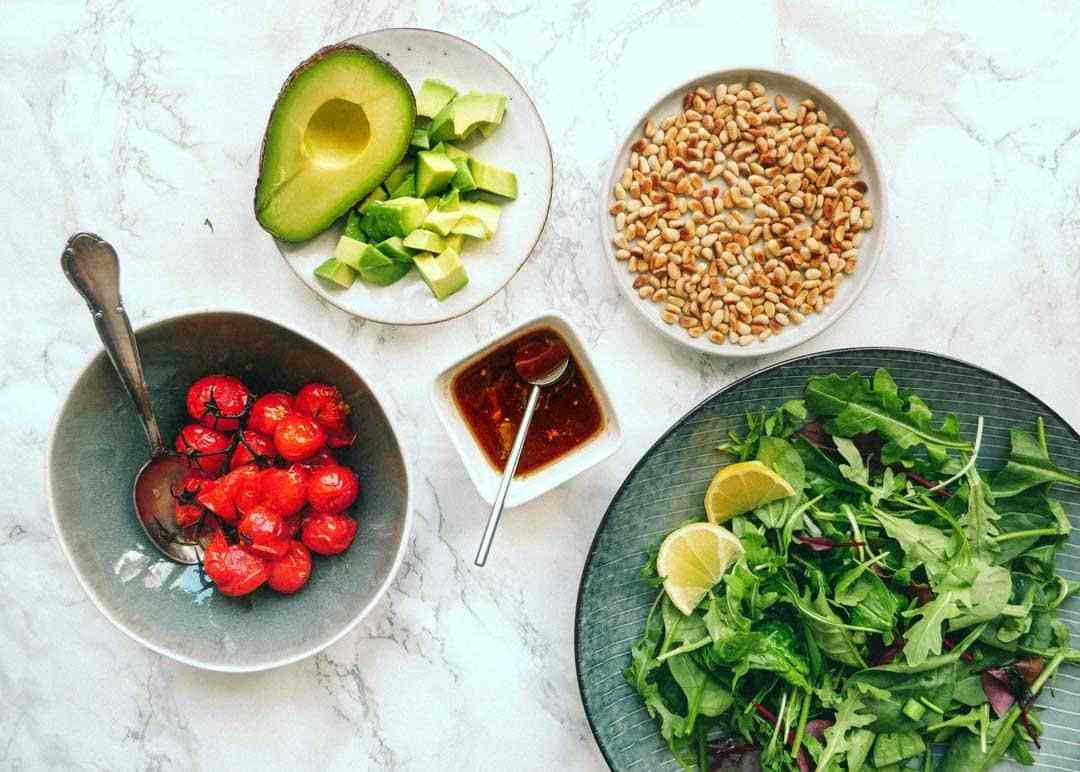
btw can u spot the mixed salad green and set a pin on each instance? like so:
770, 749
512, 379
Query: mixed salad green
901, 600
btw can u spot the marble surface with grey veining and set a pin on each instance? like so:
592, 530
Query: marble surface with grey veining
141, 121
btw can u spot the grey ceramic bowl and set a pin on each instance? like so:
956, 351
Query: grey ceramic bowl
97, 446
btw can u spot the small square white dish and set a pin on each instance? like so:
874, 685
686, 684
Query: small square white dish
483, 474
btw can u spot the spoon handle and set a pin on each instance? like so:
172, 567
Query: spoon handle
91, 266
508, 476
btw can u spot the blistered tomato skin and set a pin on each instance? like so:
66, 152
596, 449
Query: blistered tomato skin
332, 488
234, 570
298, 437
325, 404
328, 534
268, 411
218, 402
205, 450
263, 532
252, 447
286, 490
291, 573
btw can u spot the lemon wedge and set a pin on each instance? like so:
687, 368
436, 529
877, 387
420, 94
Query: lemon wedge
738, 488
693, 559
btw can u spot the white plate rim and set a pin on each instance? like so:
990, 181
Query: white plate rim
331, 299
869, 259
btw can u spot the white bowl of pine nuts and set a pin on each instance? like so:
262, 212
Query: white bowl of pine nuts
744, 213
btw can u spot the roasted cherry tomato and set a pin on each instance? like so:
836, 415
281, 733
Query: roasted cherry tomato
268, 411
262, 531
291, 572
233, 569
325, 404
298, 437
206, 450
286, 490
218, 402
328, 534
220, 495
252, 447
332, 488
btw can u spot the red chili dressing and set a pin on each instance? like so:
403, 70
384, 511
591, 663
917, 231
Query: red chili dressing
491, 395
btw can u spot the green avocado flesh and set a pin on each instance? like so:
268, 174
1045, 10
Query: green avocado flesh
444, 273
341, 123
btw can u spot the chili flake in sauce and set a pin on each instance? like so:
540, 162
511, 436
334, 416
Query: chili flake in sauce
491, 396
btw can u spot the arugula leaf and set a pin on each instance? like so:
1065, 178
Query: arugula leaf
1029, 464
985, 598
771, 647
876, 607
922, 544
980, 520
782, 458
704, 694
858, 407
828, 629
856, 471
924, 637
848, 716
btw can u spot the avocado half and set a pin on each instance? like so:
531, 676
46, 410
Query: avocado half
341, 123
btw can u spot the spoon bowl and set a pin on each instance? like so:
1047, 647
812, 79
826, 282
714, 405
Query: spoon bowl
540, 365
92, 267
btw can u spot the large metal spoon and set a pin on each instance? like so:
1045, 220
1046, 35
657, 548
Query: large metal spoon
540, 366
93, 269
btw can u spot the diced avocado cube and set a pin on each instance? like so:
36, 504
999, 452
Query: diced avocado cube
466, 113
493, 179
419, 140
406, 188
432, 202
442, 124
450, 201
374, 197
475, 109
378, 269
425, 241
336, 272
398, 175
486, 212
443, 273
470, 225
456, 242
352, 224
394, 248
433, 172
487, 129
463, 179
433, 96
394, 217
441, 222
351, 253
451, 151
348, 250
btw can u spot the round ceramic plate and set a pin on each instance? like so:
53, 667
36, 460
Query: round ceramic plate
795, 90
668, 486
519, 144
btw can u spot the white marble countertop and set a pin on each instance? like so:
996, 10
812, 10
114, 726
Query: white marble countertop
141, 121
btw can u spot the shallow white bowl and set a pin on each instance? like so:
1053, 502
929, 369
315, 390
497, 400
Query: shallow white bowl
483, 474
519, 144
795, 89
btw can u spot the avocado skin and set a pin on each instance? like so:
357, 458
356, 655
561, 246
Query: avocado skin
296, 72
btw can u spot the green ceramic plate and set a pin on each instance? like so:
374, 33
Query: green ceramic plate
668, 485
